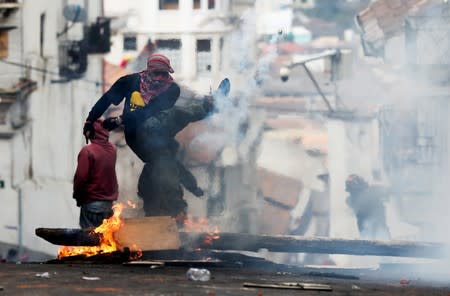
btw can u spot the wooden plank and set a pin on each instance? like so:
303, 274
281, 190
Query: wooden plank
4, 44
318, 245
149, 233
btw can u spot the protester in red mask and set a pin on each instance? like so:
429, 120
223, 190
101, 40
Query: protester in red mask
146, 94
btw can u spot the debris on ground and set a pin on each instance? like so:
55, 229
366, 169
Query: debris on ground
90, 278
152, 264
295, 286
43, 275
196, 274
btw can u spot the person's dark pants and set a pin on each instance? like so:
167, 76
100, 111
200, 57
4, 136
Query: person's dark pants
92, 214
153, 142
159, 186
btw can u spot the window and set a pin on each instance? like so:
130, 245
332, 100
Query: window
211, 4
196, 4
129, 42
204, 57
168, 4
172, 49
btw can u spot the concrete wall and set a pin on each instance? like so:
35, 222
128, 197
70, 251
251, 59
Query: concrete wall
41, 155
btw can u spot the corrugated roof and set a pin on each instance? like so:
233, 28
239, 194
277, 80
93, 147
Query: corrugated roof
382, 20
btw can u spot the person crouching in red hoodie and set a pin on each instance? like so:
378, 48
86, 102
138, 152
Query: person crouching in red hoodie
95, 184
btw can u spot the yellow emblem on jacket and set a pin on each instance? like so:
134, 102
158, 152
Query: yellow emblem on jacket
136, 101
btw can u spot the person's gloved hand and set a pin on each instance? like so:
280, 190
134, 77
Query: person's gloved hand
112, 123
198, 192
88, 130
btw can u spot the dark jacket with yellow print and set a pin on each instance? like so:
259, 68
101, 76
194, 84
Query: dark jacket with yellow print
135, 111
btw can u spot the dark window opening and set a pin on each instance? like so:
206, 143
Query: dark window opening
203, 45
196, 4
129, 43
168, 4
211, 4
204, 57
172, 49
168, 44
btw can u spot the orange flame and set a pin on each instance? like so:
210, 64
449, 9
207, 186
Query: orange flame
201, 224
107, 243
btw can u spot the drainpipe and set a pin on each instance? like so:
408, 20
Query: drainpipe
20, 223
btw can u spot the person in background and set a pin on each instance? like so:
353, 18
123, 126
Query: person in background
367, 203
95, 186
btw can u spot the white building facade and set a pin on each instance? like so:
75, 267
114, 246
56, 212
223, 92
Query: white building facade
190, 32
41, 133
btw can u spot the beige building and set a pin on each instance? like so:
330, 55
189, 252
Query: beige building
41, 118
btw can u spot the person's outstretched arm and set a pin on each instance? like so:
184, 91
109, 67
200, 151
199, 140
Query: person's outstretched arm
113, 96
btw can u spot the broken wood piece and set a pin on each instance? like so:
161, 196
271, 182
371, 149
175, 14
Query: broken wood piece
292, 286
319, 245
149, 233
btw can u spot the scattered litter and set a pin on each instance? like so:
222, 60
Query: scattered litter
355, 287
43, 275
333, 275
293, 286
152, 264
90, 278
196, 274
404, 282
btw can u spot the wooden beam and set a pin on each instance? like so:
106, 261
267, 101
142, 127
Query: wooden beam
299, 244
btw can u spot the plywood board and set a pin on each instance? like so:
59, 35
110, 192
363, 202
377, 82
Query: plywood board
149, 233
3, 44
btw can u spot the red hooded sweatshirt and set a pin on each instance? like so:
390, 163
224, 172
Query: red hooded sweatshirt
95, 178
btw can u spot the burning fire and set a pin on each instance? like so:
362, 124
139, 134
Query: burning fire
197, 224
107, 244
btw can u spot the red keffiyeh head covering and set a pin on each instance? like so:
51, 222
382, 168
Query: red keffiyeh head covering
151, 87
